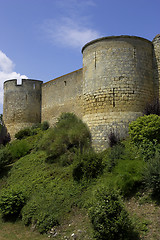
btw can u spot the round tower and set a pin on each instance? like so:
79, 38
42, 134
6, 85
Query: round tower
156, 62
22, 104
117, 84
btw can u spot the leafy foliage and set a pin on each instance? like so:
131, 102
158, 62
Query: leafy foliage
145, 128
19, 148
151, 174
26, 132
23, 133
5, 157
109, 218
89, 166
70, 133
11, 202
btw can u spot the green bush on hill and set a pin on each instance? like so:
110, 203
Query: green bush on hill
89, 166
26, 132
146, 128
109, 218
69, 134
11, 202
5, 157
151, 174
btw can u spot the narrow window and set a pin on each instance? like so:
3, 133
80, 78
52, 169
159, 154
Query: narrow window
26, 97
134, 53
113, 97
34, 85
65, 83
95, 59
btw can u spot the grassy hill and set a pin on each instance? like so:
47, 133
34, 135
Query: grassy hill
52, 182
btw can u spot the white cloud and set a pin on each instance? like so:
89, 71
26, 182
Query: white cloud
6, 64
70, 33
7, 72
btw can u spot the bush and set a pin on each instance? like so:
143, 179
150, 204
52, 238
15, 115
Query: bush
109, 218
11, 202
113, 139
23, 133
43, 219
69, 134
114, 155
19, 148
44, 125
89, 166
151, 174
5, 157
145, 128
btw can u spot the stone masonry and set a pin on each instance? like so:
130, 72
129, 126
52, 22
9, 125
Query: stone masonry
119, 78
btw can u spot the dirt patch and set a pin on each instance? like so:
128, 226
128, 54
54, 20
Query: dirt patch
147, 216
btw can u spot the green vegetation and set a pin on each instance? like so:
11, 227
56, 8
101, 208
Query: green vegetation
53, 172
109, 218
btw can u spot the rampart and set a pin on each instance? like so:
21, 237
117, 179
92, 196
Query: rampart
119, 78
63, 94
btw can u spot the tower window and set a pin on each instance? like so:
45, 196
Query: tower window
34, 85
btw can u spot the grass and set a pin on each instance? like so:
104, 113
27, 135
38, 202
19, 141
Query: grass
56, 199
17, 231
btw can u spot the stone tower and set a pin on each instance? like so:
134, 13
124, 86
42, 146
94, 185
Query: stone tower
22, 104
156, 62
117, 84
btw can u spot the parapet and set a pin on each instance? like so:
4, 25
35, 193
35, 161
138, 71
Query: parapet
26, 83
124, 37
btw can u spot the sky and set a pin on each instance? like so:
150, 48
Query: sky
43, 39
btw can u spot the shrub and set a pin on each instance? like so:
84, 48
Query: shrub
114, 155
23, 133
89, 166
5, 157
19, 148
151, 174
43, 219
113, 139
11, 202
109, 218
69, 133
128, 175
145, 128
44, 125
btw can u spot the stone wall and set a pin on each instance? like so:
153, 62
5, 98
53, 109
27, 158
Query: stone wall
117, 84
22, 104
120, 77
156, 63
63, 94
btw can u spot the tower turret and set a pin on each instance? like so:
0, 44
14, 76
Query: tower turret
22, 104
117, 84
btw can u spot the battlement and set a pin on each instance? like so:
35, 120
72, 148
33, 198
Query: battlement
25, 83
116, 38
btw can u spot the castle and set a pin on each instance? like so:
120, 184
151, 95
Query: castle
119, 78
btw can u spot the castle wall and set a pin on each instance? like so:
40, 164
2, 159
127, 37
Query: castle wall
22, 104
63, 94
156, 63
117, 84
120, 77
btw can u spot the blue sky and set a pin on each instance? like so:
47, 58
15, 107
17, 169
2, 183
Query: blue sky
42, 39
